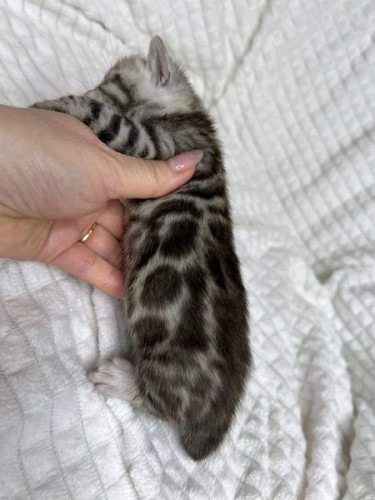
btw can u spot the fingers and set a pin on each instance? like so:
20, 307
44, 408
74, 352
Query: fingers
97, 260
138, 178
113, 218
103, 243
85, 264
64, 233
105, 239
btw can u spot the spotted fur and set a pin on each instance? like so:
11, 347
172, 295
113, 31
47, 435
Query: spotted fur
185, 299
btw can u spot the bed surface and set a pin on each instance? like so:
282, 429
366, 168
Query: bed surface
291, 85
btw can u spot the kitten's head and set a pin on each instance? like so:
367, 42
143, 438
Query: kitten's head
157, 80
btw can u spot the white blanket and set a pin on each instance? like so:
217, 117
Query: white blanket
292, 87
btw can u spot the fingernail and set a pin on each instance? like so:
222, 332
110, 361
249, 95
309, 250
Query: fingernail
186, 160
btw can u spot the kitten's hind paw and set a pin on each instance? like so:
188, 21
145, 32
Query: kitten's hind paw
116, 378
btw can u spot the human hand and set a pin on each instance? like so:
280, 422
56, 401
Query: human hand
57, 179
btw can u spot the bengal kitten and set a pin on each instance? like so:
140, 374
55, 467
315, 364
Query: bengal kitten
185, 299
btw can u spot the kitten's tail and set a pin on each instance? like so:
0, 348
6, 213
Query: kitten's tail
200, 441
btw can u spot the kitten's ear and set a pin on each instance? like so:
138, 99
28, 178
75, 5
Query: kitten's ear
158, 61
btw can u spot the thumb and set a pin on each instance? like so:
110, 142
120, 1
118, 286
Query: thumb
139, 178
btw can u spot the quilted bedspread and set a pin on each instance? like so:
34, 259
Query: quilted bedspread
291, 84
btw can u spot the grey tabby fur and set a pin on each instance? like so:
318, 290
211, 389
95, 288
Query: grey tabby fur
185, 299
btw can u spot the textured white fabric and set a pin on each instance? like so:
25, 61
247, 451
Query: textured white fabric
292, 86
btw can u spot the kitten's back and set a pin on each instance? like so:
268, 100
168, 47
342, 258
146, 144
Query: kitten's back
185, 298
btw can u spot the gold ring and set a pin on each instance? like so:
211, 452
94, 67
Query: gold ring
89, 233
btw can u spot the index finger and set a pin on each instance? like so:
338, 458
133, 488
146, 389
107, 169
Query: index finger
113, 218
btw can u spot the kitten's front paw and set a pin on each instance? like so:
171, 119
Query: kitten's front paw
116, 378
